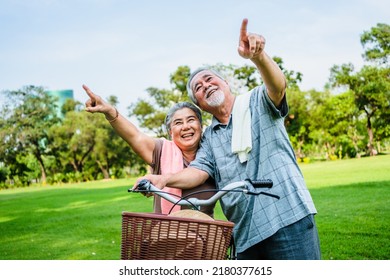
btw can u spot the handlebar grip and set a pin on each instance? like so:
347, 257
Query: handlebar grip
265, 183
143, 186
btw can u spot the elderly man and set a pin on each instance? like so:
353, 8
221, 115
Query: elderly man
247, 140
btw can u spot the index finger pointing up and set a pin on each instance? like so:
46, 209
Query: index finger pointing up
243, 30
89, 92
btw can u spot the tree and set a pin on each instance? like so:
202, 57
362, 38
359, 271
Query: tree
70, 105
370, 85
86, 146
334, 124
371, 88
74, 139
376, 43
297, 121
30, 114
110, 152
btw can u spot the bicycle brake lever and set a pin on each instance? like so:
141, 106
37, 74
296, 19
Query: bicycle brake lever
263, 193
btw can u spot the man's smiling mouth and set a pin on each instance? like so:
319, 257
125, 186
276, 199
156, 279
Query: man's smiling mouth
210, 92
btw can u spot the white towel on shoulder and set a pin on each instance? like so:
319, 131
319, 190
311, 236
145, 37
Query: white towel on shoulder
241, 134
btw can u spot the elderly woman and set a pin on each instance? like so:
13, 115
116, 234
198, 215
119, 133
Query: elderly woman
184, 125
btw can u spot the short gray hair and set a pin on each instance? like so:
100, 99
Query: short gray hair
193, 74
179, 106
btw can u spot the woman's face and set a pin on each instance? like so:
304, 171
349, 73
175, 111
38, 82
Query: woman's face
186, 130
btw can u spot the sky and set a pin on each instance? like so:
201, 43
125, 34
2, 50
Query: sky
121, 48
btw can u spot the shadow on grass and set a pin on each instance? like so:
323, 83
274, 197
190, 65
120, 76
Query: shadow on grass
354, 220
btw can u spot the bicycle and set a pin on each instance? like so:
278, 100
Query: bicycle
150, 236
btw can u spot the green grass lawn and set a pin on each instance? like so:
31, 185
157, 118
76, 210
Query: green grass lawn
353, 202
83, 221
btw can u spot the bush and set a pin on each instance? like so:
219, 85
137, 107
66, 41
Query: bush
3, 175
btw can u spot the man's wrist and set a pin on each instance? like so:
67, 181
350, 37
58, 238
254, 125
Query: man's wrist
259, 58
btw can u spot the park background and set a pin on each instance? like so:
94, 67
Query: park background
64, 173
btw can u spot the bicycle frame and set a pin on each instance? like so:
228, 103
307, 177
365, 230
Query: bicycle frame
243, 186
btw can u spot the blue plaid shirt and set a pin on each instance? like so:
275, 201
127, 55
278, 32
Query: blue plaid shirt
272, 157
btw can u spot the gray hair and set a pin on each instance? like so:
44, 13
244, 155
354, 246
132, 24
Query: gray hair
193, 74
179, 106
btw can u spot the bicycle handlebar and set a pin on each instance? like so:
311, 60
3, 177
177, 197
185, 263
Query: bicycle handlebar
244, 186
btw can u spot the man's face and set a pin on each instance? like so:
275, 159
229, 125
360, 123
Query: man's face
209, 90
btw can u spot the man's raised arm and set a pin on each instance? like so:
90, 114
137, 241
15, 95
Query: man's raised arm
251, 46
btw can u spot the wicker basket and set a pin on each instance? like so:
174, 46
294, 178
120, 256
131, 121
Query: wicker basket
148, 236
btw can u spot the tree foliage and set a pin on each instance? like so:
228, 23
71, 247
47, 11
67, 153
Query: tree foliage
376, 44
30, 114
370, 85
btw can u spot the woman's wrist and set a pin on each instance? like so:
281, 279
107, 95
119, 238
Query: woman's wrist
112, 117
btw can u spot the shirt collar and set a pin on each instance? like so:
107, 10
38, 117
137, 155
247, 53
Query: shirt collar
215, 124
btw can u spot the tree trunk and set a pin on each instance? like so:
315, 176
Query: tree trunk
37, 154
73, 163
43, 170
370, 145
104, 170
